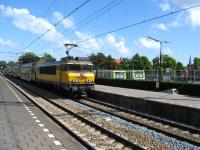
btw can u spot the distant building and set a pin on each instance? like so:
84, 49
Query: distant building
117, 61
190, 67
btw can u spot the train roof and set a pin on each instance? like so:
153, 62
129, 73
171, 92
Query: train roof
64, 62
27, 65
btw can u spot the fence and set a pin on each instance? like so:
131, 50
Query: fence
192, 76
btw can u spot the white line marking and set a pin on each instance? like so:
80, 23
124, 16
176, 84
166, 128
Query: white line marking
30, 111
46, 130
41, 125
51, 136
19, 99
32, 114
34, 117
37, 120
57, 143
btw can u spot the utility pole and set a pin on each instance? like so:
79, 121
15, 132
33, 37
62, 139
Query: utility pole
160, 58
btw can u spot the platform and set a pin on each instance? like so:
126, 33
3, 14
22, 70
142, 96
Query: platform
25, 127
181, 108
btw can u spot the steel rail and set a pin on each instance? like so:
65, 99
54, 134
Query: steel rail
103, 130
173, 124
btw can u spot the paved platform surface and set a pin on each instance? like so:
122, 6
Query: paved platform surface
177, 99
24, 127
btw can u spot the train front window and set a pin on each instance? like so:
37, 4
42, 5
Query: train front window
77, 67
86, 68
74, 67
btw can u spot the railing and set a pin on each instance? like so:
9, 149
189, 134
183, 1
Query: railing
192, 76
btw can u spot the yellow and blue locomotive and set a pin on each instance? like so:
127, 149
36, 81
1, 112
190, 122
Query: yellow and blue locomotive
75, 76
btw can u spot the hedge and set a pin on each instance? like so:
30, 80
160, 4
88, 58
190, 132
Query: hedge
183, 88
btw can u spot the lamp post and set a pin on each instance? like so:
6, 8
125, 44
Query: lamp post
160, 57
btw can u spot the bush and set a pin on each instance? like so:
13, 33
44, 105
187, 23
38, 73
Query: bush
183, 88
134, 84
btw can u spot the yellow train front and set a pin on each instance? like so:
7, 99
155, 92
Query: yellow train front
74, 76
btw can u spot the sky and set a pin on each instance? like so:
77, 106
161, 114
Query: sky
23, 21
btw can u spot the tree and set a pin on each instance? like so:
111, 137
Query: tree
136, 62
125, 64
11, 63
156, 64
179, 66
109, 63
98, 60
168, 62
196, 63
47, 58
3, 65
28, 57
146, 64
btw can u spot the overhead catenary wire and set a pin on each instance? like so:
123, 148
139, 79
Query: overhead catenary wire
43, 16
138, 23
92, 17
9, 52
54, 25
135, 24
95, 15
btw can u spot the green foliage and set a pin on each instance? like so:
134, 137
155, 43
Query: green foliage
183, 88
47, 58
136, 62
140, 62
179, 66
11, 63
28, 57
196, 63
100, 61
134, 84
168, 62
156, 64
110, 63
3, 64
125, 64
146, 64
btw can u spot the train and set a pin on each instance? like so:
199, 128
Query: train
121, 74
74, 76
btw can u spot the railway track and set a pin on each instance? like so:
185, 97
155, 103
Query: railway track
131, 133
88, 133
178, 131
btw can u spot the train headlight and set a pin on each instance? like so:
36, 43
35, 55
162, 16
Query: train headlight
87, 81
75, 81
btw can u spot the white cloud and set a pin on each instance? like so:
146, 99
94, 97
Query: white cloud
67, 23
193, 15
7, 43
165, 6
151, 44
22, 19
160, 26
91, 44
118, 44
148, 43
